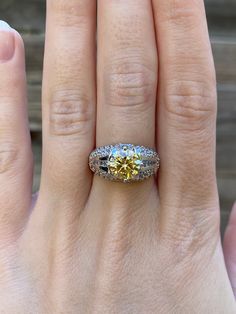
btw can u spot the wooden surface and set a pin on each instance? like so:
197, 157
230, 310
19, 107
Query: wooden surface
28, 17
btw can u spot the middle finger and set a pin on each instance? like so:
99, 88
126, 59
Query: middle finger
68, 98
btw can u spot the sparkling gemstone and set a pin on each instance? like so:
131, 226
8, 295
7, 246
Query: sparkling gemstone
125, 162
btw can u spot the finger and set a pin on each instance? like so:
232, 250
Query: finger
187, 106
15, 145
230, 248
127, 73
68, 98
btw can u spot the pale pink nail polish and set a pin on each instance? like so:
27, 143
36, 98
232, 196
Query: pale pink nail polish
7, 42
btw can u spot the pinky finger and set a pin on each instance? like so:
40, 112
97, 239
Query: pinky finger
230, 248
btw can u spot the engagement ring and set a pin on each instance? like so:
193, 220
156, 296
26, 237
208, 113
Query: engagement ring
124, 162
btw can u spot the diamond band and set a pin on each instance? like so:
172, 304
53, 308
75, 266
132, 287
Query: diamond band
124, 162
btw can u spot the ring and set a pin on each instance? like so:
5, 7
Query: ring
124, 162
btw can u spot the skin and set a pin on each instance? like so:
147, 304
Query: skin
86, 245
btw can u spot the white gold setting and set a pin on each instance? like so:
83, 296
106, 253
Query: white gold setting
124, 162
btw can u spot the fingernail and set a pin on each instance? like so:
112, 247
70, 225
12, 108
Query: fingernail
7, 42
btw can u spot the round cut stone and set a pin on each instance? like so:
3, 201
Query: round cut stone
124, 163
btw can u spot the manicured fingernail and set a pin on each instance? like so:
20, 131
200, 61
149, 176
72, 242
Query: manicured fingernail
7, 42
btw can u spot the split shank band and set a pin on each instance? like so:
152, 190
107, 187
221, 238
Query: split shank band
124, 162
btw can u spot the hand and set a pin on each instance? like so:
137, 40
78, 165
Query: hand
86, 245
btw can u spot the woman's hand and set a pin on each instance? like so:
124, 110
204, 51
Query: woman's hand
86, 245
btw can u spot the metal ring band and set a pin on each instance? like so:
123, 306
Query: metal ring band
124, 162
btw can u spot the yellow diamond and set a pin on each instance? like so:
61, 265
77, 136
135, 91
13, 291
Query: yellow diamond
124, 163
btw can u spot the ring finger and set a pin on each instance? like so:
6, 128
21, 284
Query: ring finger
127, 72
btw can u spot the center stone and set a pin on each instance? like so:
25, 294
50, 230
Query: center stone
124, 163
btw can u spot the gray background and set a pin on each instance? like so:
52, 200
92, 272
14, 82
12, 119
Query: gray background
28, 17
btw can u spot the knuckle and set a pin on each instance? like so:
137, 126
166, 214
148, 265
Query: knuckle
190, 101
10, 143
69, 13
196, 230
185, 12
130, 86
8, 157
70, 114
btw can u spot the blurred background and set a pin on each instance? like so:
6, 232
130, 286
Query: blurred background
28, 17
